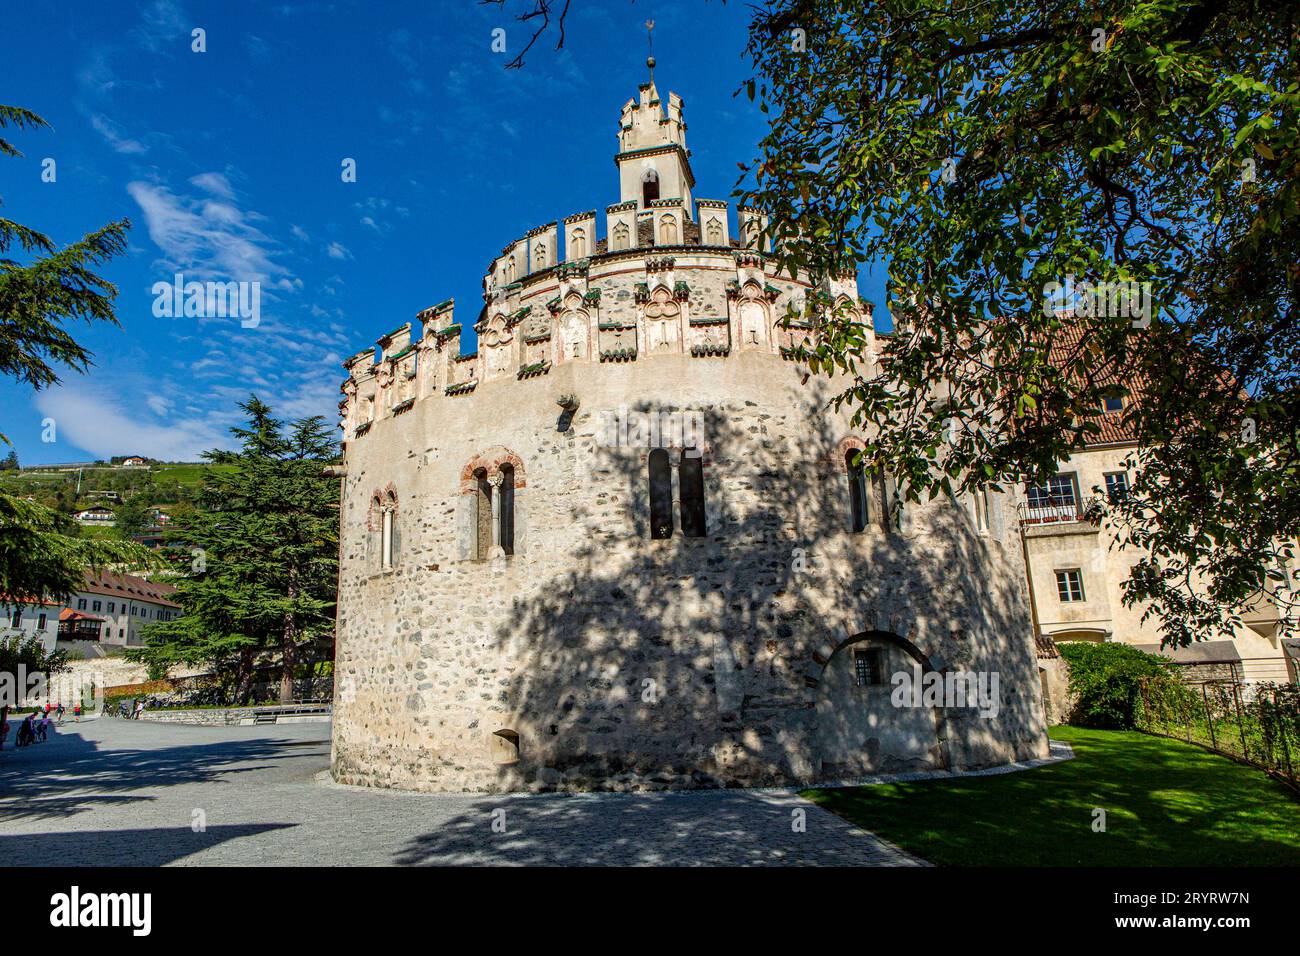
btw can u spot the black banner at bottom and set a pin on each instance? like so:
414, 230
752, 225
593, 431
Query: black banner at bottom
327, 906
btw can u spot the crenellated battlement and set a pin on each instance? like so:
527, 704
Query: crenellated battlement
668, 276
710, 303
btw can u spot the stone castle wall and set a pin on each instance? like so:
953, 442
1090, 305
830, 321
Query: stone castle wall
606, 658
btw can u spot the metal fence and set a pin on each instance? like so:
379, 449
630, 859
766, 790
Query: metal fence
1258, 723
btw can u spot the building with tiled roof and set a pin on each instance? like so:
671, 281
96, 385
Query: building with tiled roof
126, 603
1076, 576
25, 617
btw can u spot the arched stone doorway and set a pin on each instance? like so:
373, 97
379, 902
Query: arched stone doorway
859, 729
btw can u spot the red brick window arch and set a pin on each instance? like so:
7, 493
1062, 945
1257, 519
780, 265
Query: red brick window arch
383, 524
493, 478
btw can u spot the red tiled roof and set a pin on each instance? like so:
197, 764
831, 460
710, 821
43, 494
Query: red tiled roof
1118, 428
6, 599
68, 614
131, 587
1067, 344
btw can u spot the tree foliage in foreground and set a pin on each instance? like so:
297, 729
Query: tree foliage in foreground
43, 553
259, 553
987, 150
39, 297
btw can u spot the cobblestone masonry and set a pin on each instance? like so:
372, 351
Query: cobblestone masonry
594, 656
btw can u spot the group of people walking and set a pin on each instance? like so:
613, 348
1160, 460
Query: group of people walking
34, 728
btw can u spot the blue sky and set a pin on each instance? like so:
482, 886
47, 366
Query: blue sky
228, 164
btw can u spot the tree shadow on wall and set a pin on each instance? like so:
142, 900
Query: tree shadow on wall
694, 662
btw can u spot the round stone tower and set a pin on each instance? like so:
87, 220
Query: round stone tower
624, 543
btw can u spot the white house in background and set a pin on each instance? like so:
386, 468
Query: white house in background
134, 462
98, 515
30, 619
126, 603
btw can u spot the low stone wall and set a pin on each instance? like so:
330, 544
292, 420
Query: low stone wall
234, 716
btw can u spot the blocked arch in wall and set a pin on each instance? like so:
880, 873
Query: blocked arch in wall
822, 656
753, 314
852, 736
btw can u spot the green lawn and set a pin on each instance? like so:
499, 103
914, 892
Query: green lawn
1167, 803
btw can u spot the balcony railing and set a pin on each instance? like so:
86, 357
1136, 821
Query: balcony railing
1056, 513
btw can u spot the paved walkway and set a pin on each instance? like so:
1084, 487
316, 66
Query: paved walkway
128, 793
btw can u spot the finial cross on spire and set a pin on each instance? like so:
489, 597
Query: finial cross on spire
650, 45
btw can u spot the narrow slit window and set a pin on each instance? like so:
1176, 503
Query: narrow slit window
857, 491
661, 495
507, 493
690, 478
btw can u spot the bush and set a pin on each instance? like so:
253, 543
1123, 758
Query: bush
1105, 680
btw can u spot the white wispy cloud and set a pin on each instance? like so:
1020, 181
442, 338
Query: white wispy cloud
163, 23
113, 136
214, 183
209, 236
94, 418
336, 250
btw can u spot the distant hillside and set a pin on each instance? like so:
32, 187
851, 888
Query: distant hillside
161, 484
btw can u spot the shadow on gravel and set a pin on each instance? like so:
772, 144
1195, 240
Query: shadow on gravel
737, 828
149, 847
70, 774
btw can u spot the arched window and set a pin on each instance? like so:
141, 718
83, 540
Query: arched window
667, 231
857, 491
713, 233
384, 521
506, 517
981, 501
690, 478
577, 244
620, 236
510, 269
539, 256
386, 538
880, 499
649, 187
482, 514
661, 495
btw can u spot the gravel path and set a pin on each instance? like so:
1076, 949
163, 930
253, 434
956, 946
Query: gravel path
126, 793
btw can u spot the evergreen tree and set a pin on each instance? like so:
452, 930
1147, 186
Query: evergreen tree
261, 550
57, 285
42, 551
133, 516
